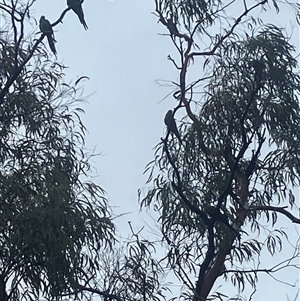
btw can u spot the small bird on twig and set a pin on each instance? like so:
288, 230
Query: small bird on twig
171, 124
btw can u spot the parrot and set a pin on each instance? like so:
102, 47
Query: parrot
77, 8
258, 67
171, 124
173, 28
46, 29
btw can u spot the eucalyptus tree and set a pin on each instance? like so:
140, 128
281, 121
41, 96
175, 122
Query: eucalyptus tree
223, 191
53, 220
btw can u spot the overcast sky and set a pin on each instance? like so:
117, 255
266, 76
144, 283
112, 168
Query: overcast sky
124, 56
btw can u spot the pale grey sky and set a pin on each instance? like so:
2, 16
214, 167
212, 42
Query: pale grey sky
123, 55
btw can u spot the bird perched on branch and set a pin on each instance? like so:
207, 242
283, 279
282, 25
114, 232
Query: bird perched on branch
76, 6
171, 124
47, 30
258, 67
172, 28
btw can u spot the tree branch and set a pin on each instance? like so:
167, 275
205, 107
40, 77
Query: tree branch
281, 210
238, 20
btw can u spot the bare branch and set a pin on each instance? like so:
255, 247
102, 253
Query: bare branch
281, 210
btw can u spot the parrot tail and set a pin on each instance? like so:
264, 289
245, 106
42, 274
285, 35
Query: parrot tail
85, 26
51, 43
82, 21
79, 12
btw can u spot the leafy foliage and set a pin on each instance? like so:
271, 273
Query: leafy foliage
238, 162
53, 221
131, 272
188, 10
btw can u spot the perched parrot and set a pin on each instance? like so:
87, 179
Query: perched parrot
258, 67
172, 27
46, 29
77, 8
171, 124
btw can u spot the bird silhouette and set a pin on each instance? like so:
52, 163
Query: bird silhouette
46, 29
171, 124
76, 6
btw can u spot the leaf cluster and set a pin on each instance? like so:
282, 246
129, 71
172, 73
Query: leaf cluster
237, 162
53, 220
